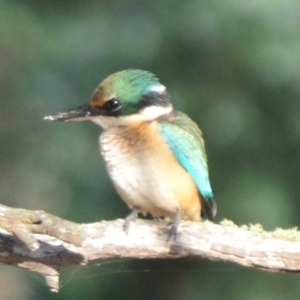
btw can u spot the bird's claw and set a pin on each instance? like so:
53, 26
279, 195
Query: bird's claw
173, 233
131, 217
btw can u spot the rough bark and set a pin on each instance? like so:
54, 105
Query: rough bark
45, 244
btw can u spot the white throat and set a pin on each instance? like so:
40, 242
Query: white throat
147, 114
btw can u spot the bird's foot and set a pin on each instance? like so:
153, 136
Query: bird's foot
173, 233
131, 217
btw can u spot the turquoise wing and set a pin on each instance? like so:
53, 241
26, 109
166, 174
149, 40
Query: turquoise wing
185, 140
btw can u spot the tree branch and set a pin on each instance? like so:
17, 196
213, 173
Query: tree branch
45, 244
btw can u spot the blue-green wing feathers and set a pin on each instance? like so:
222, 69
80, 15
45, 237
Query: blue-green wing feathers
185, 140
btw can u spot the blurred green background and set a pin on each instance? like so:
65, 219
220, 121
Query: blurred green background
233, 66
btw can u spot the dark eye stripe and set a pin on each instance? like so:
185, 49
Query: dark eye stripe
154, 98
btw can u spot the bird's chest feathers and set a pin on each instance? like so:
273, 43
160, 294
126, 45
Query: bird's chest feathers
133, 156
138, 161
146, 173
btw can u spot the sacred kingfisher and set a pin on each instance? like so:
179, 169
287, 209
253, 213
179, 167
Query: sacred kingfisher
154, 154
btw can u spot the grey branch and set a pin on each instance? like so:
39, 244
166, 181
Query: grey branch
45, 244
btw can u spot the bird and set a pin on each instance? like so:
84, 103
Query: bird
154, 154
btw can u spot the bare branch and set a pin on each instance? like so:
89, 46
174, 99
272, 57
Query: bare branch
45, 244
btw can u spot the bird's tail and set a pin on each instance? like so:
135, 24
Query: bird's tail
209, 208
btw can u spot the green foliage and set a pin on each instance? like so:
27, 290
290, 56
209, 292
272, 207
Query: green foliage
233, 66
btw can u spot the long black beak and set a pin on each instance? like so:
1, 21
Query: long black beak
80, 113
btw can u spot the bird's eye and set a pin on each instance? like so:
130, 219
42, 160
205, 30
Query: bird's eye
112, 105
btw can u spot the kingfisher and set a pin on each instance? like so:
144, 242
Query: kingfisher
154, 154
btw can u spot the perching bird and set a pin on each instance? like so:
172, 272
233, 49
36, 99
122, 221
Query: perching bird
154, 154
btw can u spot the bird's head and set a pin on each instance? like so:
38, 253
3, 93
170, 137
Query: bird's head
125, 97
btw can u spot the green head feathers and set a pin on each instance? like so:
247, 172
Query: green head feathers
131, 85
